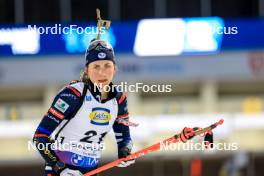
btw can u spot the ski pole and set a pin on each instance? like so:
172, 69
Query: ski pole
152, 148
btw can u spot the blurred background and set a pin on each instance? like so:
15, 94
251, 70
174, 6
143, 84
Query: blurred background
209, 51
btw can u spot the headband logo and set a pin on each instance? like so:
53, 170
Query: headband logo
101, 55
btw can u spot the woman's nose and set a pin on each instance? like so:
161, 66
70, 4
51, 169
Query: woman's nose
101, 72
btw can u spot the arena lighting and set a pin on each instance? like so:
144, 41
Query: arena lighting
198, 31
20, 40
161, 37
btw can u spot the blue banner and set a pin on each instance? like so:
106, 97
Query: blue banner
188, 36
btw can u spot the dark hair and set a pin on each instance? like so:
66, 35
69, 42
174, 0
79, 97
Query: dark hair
83, 76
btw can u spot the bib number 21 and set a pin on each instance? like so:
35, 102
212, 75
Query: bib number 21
92, 133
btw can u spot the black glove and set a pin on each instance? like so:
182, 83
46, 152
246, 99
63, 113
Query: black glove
209, 139
124, 152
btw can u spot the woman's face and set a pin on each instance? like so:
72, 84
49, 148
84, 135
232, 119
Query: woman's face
101, 72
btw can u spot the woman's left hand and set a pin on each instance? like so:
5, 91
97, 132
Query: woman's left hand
123, 153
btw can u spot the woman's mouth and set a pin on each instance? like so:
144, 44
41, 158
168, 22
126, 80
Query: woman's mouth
102, 81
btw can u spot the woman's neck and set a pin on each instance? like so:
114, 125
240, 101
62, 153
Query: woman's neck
104, 95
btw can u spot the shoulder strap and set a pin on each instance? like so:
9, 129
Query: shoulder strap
85, 87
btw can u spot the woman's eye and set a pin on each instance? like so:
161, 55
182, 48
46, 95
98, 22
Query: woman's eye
107, 66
